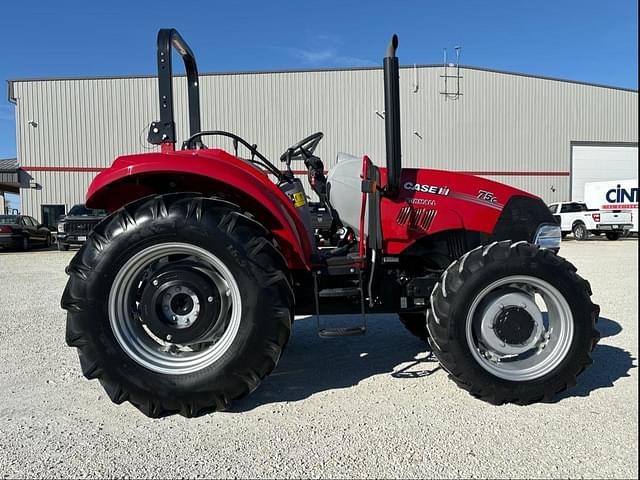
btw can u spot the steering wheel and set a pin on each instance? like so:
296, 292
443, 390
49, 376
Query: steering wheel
303, 149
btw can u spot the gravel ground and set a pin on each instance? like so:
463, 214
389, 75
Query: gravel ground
373, 406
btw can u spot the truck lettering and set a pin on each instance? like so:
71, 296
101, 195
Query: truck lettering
620, 195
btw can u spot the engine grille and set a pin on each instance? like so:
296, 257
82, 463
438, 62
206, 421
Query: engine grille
79, 227
416, 217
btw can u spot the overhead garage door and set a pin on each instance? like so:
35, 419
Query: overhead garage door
595, 162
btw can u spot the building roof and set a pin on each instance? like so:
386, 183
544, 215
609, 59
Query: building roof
9, 164
266, 72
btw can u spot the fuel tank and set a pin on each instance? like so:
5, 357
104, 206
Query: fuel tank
343, 189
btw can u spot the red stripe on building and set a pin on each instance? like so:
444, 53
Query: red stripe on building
518, 174
304, 172
62, 169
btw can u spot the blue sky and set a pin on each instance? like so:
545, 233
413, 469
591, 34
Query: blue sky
588, 40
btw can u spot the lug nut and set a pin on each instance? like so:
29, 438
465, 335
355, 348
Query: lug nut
155, 283
209, 299
169, 337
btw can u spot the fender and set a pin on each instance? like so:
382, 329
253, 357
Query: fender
210, 172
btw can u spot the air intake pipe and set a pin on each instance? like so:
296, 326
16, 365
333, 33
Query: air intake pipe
392, 118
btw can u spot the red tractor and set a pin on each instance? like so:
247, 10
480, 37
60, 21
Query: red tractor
183, 298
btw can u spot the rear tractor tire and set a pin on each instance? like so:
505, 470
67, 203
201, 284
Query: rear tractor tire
512, 323
178, 304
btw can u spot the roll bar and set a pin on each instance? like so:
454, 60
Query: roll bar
164, 131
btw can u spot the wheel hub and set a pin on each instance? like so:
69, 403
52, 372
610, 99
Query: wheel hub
180, 306
184, 303
510, 323
514, 325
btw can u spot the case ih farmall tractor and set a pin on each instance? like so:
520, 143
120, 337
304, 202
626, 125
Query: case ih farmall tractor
182, 300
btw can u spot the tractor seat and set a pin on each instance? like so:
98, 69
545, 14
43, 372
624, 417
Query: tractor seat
344, 187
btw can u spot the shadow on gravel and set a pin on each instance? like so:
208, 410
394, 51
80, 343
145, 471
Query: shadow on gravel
607, 327
311, 364
609, 364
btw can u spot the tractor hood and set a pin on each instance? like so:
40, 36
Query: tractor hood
432, 201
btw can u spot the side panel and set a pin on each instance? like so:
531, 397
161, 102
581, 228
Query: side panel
211, 172
433, 201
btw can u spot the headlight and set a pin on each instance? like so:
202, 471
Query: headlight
61, 227
548, 236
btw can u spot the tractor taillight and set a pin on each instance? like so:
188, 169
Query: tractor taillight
596, 217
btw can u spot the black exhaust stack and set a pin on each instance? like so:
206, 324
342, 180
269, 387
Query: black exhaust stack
392, 118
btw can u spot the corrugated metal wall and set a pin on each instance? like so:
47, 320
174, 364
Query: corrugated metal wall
503, 124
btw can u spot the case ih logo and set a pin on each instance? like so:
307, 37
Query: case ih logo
424, 188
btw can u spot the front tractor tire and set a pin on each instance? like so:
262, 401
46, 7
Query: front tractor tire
512, 323
178, 304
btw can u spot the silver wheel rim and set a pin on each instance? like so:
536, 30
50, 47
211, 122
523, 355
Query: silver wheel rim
149, 351
551, 334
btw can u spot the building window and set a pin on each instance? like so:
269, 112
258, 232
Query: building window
51, 214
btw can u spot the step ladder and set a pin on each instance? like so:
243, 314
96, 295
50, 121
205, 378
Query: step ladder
342, 292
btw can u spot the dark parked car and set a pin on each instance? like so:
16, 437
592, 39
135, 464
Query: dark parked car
23, 232
74, 227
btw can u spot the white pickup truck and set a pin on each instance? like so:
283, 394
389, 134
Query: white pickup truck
576, 218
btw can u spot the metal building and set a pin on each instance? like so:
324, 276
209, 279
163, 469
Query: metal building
514, 128
9, 181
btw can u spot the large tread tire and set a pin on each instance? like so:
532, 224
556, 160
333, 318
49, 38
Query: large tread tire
247, 250
416, 323
465, 278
